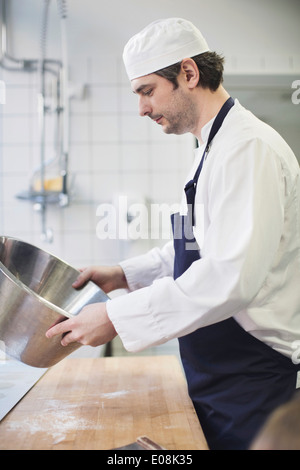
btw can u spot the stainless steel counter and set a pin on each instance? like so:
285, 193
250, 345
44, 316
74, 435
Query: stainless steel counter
16, 379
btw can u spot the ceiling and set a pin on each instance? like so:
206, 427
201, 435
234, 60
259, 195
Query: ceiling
231, 27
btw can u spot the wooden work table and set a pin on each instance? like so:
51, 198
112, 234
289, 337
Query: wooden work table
103, 404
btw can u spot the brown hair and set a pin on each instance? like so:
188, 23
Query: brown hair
210, 66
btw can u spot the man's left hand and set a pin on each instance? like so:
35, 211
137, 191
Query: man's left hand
90, 327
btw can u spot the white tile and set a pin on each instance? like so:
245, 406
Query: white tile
80, 104
164, 156
35, 157
79, 129
82, 189
2, 228
275, 63
16, 159
105, 251
134, 128
80, 157
166, 187
123, 77
128, 100
1, 150
16, 78
251, 64
77, 247
104, 186
55, 248
13, 185
135, 157
17, 100
105, 157
17, 217
35, 131
77, 217
16, 130
104, 128
295, 63
131, 248
50, 130
104, 99
54, 217
104, 69
79, 69
136, 184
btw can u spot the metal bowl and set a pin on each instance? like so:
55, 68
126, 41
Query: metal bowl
35, 293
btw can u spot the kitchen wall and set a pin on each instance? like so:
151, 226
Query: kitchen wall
113, 152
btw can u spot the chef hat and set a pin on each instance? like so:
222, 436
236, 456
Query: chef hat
162, 43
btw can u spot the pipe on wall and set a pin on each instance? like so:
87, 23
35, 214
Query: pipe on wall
41, 192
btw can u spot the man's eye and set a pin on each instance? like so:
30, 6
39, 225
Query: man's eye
148, 92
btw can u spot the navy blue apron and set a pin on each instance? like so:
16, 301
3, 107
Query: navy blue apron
234, 380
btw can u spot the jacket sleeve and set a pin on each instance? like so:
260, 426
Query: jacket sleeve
141, 271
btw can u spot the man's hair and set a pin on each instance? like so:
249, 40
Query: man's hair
210, 66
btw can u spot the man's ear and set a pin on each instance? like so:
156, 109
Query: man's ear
191, 72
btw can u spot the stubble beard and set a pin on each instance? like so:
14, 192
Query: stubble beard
181, 114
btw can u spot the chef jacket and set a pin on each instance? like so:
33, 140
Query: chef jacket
247, 226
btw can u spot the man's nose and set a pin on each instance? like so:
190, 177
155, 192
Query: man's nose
144, 107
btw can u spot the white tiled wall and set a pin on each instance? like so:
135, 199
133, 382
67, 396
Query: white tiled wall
112, 151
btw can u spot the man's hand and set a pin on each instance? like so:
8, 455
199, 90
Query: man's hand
90, 327
108, 278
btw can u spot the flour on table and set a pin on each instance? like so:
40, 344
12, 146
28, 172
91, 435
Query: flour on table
56, 420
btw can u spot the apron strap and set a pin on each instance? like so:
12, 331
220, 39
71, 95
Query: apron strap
190, 187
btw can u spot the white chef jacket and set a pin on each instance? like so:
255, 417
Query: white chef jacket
247, 225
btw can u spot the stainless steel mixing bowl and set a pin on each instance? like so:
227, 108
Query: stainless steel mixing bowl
35, 293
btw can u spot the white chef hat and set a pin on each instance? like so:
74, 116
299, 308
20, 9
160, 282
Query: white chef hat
160, 44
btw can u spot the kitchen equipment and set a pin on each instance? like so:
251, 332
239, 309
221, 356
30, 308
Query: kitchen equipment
35, 293
16, 379
142, 443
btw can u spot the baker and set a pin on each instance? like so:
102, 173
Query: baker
228, 286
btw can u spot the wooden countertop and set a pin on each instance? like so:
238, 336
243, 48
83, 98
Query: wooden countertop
105, 403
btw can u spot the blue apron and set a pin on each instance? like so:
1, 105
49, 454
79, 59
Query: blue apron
234, 380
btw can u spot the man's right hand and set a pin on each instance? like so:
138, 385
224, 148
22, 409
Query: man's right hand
108, 278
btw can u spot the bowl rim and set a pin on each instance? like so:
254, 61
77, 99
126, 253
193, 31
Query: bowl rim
21, 285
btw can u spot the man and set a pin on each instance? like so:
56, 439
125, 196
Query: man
228, 287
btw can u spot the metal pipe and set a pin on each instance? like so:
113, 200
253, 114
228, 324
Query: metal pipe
18, 64
65, 101
59, 69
